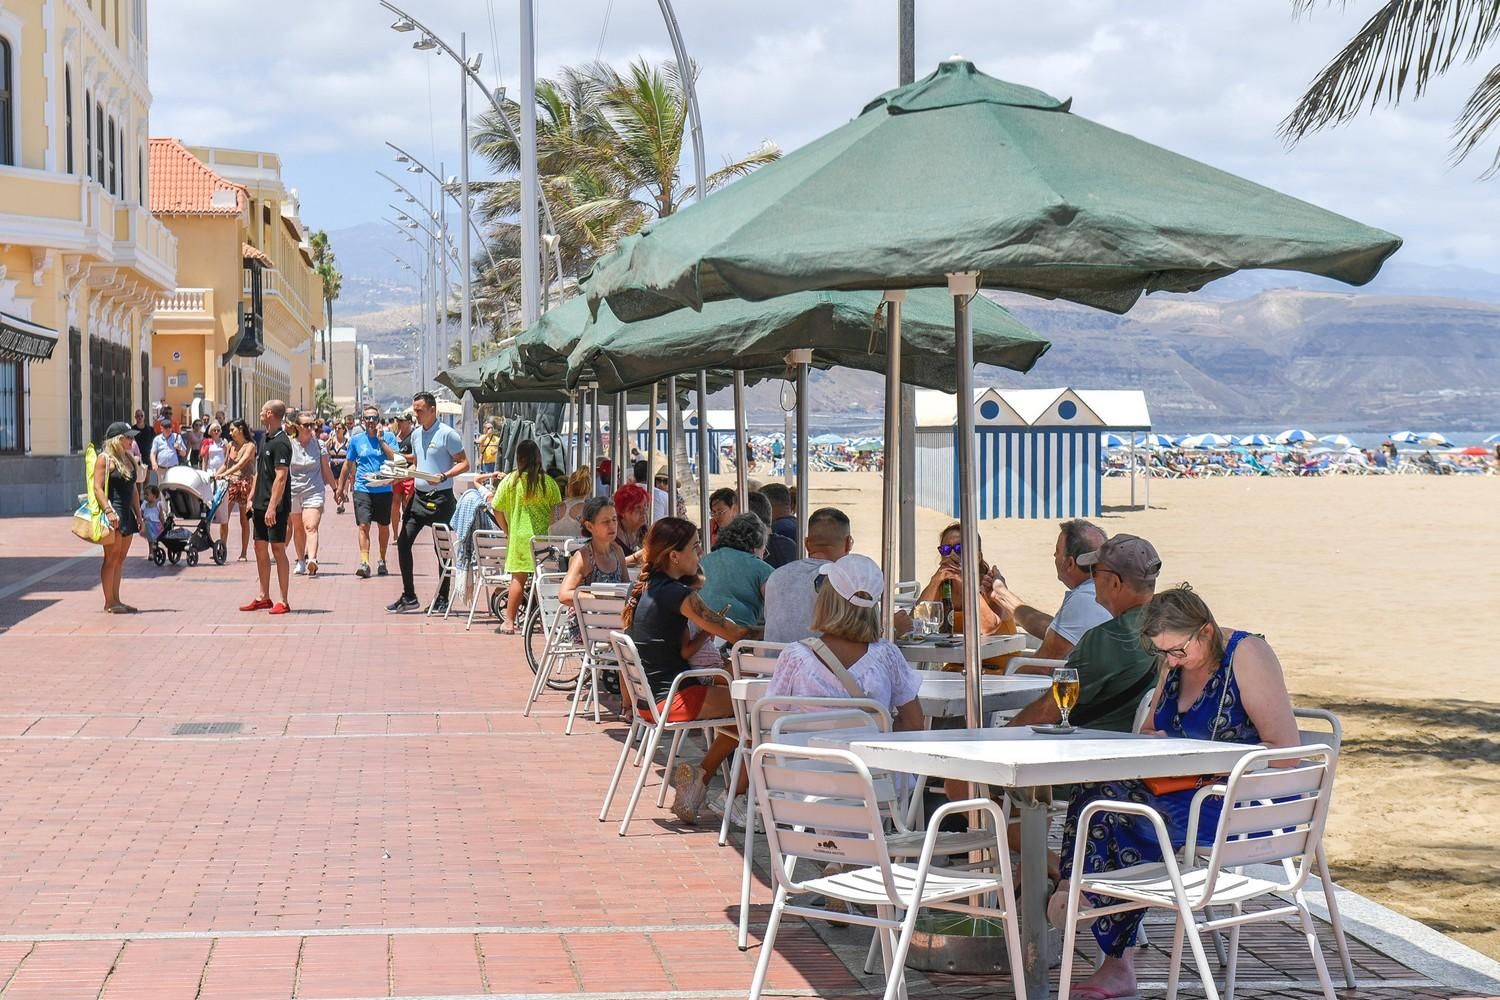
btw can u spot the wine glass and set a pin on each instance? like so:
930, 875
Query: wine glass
1065, 691
927, 618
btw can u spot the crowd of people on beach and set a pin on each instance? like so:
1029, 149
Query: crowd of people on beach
1388, 459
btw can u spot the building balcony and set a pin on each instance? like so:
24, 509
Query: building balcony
194, 304
73, 215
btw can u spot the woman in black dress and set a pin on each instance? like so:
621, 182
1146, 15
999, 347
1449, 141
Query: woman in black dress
113, 487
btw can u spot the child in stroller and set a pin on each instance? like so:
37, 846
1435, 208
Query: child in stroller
190, 493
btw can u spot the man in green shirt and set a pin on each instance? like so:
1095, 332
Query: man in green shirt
1114, 670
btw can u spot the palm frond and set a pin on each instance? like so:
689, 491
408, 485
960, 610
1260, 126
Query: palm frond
768, 152
1480, 115
1405, 43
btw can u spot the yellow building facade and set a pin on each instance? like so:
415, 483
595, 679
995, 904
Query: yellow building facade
82, 260
245, 320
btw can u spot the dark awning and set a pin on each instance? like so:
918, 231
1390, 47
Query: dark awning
23, 340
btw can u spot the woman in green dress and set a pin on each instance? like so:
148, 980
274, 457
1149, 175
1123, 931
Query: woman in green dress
523, 506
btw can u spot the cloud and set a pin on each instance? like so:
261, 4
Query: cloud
325, 83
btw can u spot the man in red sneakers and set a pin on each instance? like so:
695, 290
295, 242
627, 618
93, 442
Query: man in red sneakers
271, 508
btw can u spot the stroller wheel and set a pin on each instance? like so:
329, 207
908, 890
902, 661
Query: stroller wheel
174, 556
159, 555
221, 554
192, 558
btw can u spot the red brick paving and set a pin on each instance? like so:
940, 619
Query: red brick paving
384, 784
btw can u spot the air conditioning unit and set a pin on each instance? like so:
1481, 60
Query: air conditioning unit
173, 381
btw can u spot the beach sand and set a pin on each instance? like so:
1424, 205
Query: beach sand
1380, 596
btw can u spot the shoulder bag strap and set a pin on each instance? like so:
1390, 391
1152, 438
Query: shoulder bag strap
821, 650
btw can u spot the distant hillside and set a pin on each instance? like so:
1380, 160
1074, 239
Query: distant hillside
1420, 346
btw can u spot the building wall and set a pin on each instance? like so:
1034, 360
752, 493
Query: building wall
78, 249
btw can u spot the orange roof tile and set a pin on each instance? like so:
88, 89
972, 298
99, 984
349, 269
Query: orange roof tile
182, 184
249, 252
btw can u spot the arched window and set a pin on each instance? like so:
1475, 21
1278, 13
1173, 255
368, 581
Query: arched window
113, 174
99, 143
68, 113
7, 106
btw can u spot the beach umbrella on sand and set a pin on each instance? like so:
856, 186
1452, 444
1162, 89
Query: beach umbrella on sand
1337, 440
1406, 437
1255, 441
829, 439
1204, 441
1155, 441
1492, 439
1436, 440
1114, 441
1296, 437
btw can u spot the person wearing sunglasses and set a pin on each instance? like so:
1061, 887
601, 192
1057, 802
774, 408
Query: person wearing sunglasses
992, 620
372, 502
311, 475
1212, 683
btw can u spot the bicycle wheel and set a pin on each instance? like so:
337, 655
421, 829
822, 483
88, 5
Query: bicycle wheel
565, 675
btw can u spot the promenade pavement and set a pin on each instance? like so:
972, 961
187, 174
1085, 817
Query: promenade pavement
360, 810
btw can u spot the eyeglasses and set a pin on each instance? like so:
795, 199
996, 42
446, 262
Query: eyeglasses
955, 549
1176, 652
309, 426
372, 420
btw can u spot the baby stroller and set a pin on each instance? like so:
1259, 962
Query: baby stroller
190, 493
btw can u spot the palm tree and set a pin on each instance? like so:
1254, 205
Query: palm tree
333, 285
1406, 43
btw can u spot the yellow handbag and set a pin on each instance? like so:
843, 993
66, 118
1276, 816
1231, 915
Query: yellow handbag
89, 522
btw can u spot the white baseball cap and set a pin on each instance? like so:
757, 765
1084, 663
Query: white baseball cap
857, 578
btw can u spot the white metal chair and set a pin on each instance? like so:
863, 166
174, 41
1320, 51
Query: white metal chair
487, 568
650, 724
1326, 729
598, 611
761, 718
1015, 663
1270, 814
755, 657
442, 547
906, 594
822, 806
555, 619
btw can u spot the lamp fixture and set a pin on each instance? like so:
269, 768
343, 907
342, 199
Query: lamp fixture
424, 44
402, 158
403, 24
474, 63
414, 169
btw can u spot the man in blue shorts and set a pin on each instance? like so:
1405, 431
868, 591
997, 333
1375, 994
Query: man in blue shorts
437, 449
371, 503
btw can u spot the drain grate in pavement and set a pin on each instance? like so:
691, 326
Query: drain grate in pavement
207, 728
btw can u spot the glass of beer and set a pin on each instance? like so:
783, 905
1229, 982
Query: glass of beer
1065, 691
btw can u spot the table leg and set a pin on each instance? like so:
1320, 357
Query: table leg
1035, 947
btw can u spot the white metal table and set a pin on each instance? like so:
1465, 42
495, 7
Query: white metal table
1019, 759
942, 695
951, 650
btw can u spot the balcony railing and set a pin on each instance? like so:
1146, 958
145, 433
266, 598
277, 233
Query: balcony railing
191, 301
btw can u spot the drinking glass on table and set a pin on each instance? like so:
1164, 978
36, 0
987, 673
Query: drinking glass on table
1065, 691
928, 618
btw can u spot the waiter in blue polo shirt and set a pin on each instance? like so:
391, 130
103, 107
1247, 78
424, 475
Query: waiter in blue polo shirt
437, 449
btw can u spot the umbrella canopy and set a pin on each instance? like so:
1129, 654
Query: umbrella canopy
1474, 450
841, 328
1255, 441
500, 378
1296, 436
1436, 440
1205, 441
1114, 441
828, 439
1406, 437
1492, 439
1156, 441
963, 172
1337, 440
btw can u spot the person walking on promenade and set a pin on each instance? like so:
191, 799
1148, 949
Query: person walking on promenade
337, 445
371, 502
113, 487
437, 449
523, 504
271, 509
310, 479
239, 470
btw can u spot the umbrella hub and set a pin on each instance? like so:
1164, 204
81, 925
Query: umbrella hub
957, 82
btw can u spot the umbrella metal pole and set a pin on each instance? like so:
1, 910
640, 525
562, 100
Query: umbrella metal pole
1132, 469
890, 509
803, 358
650, 483
703, 457
741, 445
593, 440
963, 286
674, 435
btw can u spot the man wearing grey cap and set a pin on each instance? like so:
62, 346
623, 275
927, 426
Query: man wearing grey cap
1114, 669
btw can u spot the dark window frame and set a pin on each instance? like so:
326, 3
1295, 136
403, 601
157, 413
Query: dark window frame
75, 383
99, 142
68, 112
7, 103
114, 174
18, 388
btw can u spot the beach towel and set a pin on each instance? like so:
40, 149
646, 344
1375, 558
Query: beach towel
471, 514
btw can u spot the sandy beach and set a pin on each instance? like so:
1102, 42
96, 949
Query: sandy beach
1378, 595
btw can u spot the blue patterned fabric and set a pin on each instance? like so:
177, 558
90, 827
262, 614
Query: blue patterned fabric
469, 516
1117, 841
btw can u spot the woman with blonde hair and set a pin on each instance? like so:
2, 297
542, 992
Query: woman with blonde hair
567, 519
113, 487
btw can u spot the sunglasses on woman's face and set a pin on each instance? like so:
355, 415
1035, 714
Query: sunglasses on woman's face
955, 549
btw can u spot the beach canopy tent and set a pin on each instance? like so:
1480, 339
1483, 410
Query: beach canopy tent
1039, 452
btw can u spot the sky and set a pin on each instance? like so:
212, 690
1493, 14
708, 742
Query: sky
326, 84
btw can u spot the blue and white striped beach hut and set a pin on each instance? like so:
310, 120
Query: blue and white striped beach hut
720, 432
1037, 452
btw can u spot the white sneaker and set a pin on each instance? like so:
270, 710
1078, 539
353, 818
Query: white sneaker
300, 568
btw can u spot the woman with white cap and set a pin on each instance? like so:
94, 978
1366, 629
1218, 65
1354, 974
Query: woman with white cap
850, 655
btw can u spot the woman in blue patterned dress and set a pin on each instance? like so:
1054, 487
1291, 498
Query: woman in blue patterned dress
1216, 684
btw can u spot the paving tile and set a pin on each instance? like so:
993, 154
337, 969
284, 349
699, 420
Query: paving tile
63, 969
620, 963
158, 970
251, 969
430, 964
527, 963
344, 967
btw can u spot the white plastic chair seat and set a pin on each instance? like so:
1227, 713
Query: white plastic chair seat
1150, 883
865, 887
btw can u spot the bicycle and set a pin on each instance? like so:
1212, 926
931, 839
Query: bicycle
533, 622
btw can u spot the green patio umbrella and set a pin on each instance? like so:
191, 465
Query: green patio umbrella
841, 328
964, 172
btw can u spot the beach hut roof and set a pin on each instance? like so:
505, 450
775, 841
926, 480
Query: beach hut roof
1116, 409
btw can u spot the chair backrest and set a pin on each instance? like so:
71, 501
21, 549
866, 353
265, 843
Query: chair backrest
1143, 711
765, 711
907, 592
442, 543
620, 590
557, 558
548, 586
755, 657
489, 552
820, 805
1015, 663
634, 683
1274, 813
598, 615
1318, 725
